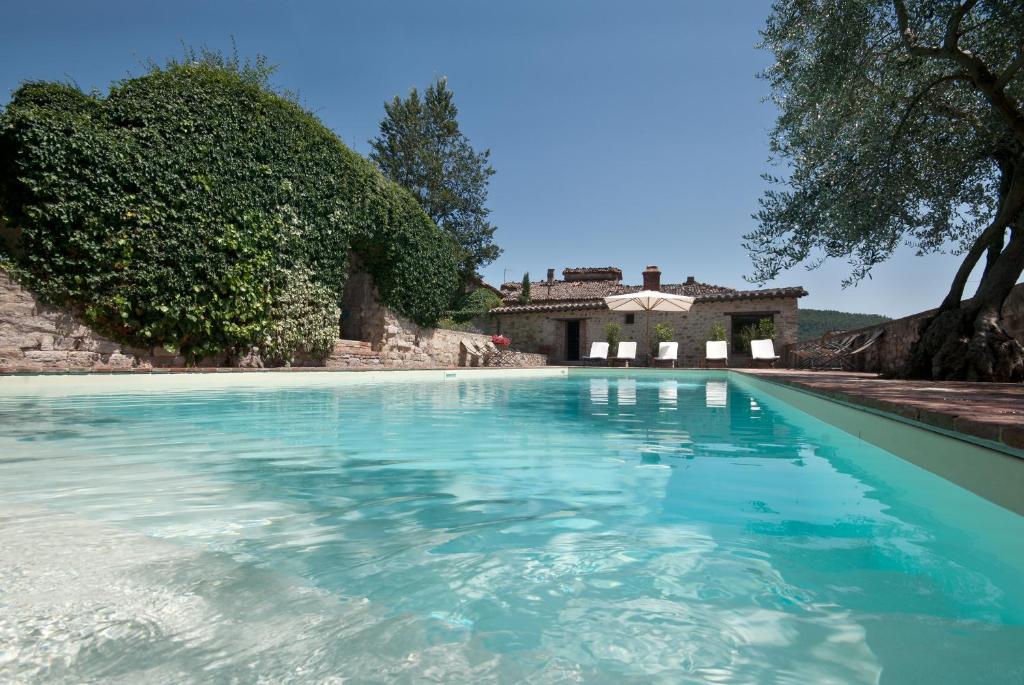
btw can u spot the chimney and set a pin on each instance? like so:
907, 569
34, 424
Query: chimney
551, 276
690, 280
652, 278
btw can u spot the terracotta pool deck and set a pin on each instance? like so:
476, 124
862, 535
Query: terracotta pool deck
992, 412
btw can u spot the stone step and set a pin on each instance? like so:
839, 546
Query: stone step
355, 348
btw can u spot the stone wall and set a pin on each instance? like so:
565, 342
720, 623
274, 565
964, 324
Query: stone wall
403, 343
891, 350
37, 337
515, 358
545, 332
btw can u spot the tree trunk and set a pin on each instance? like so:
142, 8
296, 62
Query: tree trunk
968, 342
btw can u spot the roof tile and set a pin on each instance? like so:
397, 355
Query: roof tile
577, 304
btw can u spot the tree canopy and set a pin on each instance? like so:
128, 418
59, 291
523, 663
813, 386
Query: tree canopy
901, 122
195, 208
422, 148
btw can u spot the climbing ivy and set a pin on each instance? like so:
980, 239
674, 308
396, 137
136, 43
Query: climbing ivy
167, 211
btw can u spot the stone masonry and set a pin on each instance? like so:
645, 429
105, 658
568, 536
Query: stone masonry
892, 349
37, 337
402, 343
544, 331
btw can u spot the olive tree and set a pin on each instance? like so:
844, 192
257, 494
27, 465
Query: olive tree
902, 122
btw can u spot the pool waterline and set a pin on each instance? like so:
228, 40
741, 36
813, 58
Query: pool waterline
610, 526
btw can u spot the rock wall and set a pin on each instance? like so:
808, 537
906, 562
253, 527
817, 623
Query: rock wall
515, 358
892, 349
37, 337
407, 345
402, 343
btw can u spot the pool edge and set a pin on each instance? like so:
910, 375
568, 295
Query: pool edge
990, 470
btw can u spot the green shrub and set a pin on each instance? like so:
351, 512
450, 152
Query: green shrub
716, 332
612, 334
166, 211
763, 330
451, 324
663, 332
475, 304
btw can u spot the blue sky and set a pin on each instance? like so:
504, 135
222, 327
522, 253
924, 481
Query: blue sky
623, 133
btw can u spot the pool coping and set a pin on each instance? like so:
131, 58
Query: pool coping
62, 384
158, 370
986, 414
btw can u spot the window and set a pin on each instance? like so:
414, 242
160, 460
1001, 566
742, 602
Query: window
741, 321
630, 319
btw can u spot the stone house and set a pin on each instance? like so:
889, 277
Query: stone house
563, 317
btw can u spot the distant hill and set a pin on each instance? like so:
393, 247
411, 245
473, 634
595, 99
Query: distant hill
816, 322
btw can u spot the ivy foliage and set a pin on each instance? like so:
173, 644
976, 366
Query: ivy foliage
174, 210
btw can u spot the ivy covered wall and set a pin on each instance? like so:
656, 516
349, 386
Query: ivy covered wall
196, 209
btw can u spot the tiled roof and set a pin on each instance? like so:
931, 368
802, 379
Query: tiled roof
765, 294
540, 291
561, 291
590, 269
566, 306
722, 295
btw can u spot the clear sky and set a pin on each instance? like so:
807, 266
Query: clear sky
623, 133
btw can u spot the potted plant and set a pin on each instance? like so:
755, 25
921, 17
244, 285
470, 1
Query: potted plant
663, 332
500, 341
612, 334
762, 330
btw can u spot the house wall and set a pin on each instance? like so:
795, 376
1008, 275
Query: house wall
545, 332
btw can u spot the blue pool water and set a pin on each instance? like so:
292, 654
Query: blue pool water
603, 528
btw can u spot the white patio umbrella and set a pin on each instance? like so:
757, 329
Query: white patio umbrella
649, 301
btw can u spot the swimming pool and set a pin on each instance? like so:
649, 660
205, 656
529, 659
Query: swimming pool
606, 526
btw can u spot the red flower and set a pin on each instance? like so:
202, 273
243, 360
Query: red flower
500, 340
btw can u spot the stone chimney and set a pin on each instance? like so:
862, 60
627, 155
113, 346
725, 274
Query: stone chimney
690, 280
551, 276
652, 278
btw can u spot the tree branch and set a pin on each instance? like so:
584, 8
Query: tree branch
909, 39
1011, 70
1010, 206
921, 95
951, 40
978, 72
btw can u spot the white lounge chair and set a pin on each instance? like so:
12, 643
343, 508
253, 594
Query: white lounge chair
716, 353
598, 353
763, 352
668, 352
625, 354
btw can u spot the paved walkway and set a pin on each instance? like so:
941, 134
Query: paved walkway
990, 411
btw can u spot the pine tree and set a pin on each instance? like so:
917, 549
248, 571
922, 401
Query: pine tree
524, 294
421, 148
